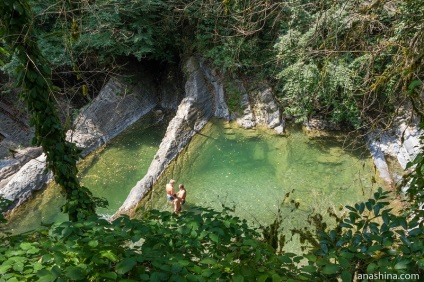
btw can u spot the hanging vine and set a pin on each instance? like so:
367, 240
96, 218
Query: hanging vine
34, 77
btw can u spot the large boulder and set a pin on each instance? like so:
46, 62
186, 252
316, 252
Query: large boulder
266, 110
13, 164
118, 105
402, 143
31, 177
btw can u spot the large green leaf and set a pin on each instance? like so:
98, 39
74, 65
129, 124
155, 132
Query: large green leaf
125, 265
75, 273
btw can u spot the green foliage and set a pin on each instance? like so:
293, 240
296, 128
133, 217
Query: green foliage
234, 35
233, 95
344, 61
126, 28
206, 245
201, 246
34, 76
4, 204
80, 33
370, 240
347, 60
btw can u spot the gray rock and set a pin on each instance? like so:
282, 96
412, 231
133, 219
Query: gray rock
116, 107
221, 108
247, 121
320, 124
381, 144
171, 90
377, 154
260, 107
13, 135
31, 177
11, 165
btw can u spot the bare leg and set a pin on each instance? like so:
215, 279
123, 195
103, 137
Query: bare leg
177, 206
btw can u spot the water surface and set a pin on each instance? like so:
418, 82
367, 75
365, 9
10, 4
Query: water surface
253, 170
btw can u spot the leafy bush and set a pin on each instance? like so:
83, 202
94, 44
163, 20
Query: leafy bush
201, 246
207, 246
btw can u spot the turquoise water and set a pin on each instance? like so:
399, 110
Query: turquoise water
253, 170
109, 172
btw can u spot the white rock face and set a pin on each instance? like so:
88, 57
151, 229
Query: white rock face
402, 143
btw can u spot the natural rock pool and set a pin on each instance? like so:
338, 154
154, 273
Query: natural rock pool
251, 170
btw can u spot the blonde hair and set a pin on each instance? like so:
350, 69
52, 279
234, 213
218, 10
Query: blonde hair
172, 181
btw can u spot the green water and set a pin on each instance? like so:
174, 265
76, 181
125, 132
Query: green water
112, 173
253, 170
109, 172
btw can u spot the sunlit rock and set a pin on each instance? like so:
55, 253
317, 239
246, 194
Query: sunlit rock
260, 108
402, 143
31, 177
118, 105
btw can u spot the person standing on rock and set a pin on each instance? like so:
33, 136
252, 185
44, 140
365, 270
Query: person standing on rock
171, 196
181, 195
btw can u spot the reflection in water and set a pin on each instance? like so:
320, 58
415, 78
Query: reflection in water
109, 172
254, 169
